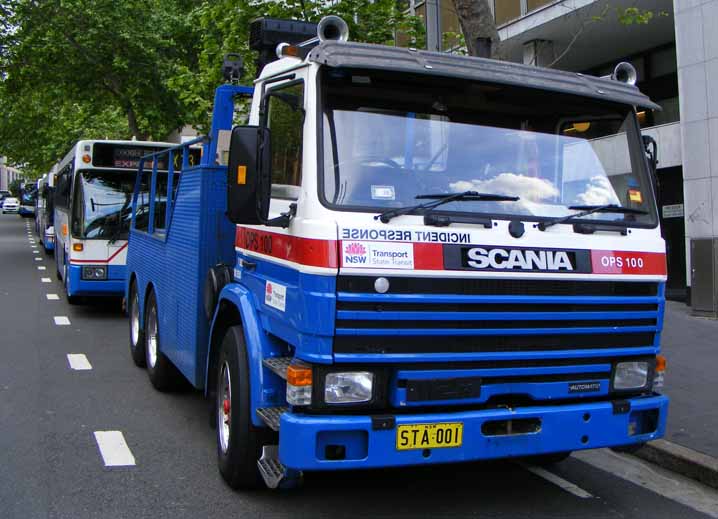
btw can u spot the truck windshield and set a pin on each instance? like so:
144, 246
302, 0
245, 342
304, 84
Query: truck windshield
387, 141
104, 205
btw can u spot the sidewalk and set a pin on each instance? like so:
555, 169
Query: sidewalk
691, 346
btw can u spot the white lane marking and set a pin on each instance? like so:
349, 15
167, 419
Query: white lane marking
52, 297
38, 259
61, 320
558, 481
114, 449
656, 479
36, 252
41, 267
78, 361
46, 280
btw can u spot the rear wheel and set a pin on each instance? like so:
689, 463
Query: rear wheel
163, 374
239, 443
137, 335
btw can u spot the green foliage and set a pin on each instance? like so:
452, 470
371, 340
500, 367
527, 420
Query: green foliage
14, 187
72, 69
223, 27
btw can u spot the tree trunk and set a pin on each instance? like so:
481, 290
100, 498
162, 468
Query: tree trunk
477, 21
132, 123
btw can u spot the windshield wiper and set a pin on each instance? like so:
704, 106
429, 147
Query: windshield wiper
586, 210
441, 199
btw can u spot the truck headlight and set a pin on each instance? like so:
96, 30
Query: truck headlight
94, 273
631, 375
348, 388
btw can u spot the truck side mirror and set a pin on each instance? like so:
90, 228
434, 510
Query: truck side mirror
249, 175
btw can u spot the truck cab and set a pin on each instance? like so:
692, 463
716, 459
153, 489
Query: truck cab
434, 259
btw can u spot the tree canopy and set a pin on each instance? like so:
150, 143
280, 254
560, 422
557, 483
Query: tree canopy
72, 69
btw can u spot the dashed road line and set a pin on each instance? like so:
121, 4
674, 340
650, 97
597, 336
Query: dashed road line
114, 449
558, 481
52, 297
41, 267
78, 361
38, 259
46, 280
61, 320
36, 252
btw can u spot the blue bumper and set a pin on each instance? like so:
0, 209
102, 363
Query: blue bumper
114, 285
304, 439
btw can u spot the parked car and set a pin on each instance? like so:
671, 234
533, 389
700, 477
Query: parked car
10, 205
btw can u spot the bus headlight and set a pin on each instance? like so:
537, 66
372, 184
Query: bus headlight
348, 388
94, 273
631, 375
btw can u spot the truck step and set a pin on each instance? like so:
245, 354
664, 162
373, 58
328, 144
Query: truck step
278, 365
272, 415
270, 467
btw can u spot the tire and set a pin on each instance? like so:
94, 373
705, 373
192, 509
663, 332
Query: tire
163, 374
137, 334
239, 443
73, 300
548, 459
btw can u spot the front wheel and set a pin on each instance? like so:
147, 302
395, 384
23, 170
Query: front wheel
163, 374
137, 335
239, 443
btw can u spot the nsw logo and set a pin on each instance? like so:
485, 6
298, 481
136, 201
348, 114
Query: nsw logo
355, 254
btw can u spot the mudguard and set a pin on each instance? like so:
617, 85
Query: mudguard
266, 390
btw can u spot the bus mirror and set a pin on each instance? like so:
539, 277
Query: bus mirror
248, 176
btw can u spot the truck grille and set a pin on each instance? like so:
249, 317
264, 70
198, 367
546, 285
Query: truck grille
485, 316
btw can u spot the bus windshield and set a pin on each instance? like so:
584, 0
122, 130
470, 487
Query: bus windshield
383, 147
103, 204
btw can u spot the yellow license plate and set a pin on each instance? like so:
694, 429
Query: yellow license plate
429, 436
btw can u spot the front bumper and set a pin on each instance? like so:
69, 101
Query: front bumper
303, 439
114, 285
9, 209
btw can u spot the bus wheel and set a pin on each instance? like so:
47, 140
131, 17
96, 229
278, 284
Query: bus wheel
163, 375
239, 443
137, 335
73, 300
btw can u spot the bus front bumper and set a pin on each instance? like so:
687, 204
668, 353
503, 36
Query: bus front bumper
315, 442
114, 285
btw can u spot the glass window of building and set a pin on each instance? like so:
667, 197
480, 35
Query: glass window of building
535, 4
506, 10
450, 26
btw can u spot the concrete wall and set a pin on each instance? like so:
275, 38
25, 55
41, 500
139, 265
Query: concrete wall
697, 51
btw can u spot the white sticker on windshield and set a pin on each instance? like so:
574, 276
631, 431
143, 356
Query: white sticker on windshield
382, 193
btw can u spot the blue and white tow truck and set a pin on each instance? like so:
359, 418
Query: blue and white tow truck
404, 258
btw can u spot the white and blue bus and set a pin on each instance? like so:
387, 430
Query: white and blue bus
44, 210
92, 210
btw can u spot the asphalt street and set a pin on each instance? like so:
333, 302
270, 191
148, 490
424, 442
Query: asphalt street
52, 466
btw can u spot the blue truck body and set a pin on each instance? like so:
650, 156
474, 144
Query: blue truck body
544, 351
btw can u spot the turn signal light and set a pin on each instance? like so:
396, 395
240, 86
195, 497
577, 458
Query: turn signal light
299, 375
86, 159
78, 247
660, 363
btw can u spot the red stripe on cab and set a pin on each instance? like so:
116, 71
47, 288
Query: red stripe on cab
625, 262
428, 256
305, 251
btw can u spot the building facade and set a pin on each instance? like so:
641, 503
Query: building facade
7, 174
676, 56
